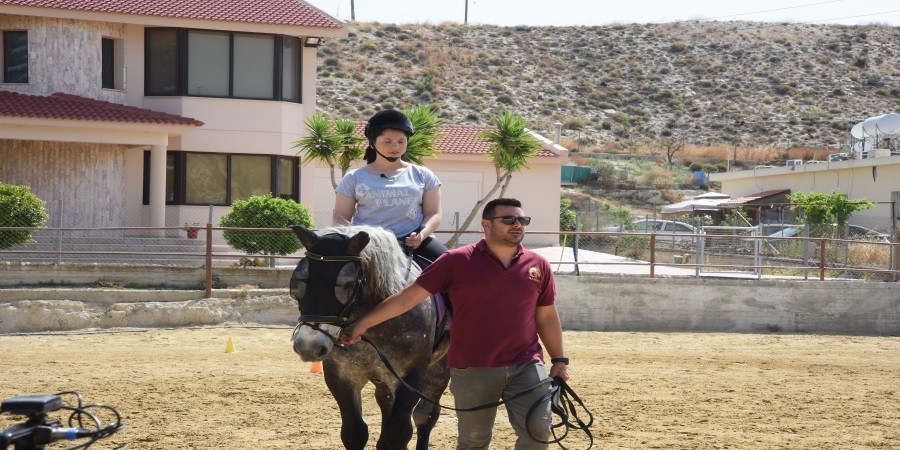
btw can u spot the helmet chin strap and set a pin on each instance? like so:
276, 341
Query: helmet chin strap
389, 158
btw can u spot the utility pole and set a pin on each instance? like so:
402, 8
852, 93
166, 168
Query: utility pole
466, 17
352, 11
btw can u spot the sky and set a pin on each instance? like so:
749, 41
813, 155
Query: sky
603, 12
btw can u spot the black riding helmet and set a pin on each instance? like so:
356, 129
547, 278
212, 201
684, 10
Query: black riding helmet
388, 119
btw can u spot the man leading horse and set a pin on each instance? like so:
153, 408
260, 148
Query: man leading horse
503, 299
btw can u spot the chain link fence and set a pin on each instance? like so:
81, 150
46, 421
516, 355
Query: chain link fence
689, 246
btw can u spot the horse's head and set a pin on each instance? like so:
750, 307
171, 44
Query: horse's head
327, 284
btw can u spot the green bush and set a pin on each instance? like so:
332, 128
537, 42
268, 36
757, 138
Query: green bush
265, 212
567, 220
19, 207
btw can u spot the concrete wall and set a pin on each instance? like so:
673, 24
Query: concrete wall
585, 303
688, 304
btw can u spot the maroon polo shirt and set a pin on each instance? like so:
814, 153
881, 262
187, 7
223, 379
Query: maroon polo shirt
493, 306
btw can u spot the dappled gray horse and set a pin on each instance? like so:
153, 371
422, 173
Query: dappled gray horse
346, 272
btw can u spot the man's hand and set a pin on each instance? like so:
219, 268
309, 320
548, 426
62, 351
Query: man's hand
352, 334
560, 370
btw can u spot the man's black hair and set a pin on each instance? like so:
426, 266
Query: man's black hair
493, 204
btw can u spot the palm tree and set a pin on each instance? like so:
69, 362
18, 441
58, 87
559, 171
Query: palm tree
338, 144
511, 145
335, 144
427, 124
351, 147
320, 144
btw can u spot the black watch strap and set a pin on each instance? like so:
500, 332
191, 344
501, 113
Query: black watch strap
562, 359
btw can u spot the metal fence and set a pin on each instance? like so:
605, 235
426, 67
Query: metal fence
763, 251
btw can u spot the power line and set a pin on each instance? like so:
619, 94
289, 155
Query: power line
774, 10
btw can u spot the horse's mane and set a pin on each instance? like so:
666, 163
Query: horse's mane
385, 265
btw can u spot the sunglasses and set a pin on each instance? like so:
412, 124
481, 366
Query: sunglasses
509, 220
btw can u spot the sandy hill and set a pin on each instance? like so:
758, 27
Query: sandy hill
745, 83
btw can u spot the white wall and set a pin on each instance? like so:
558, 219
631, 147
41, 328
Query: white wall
872, 179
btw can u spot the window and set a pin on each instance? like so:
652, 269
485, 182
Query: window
222, 64
15, 56
254, 68
290, 76
208, 62
220, 179
162, 62
112, 68
206, 179
107, 65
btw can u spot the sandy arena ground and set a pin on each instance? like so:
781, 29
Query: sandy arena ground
178, 389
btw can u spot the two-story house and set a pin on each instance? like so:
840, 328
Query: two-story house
144, 113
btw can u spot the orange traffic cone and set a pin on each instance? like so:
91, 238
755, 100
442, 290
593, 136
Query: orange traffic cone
316, 367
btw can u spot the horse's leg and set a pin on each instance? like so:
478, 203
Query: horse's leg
354, 431
426, 414
397, 429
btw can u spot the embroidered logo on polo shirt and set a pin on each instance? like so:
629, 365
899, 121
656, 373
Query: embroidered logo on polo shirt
534, 274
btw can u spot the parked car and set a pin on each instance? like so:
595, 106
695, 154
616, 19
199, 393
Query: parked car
854, 231
679, 232
863, 233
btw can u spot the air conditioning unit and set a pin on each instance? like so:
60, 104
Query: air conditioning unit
793, 162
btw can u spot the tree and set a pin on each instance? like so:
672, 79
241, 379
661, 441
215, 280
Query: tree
19, 207
673, 145
827, 209
261, 211
337, 143
511, 144
568, 219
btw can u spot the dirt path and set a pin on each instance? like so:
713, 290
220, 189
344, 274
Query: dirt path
178, 389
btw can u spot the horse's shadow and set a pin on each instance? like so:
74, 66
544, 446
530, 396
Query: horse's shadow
346, 272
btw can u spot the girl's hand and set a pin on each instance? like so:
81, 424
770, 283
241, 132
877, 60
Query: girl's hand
413, 240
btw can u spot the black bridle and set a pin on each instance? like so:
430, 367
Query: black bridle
343, 318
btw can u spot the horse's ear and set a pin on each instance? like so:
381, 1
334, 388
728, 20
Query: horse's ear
306, 236
357, 243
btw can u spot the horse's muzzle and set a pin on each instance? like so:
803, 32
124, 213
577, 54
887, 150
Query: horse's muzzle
313, 342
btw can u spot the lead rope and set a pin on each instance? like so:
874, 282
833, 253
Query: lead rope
560, 404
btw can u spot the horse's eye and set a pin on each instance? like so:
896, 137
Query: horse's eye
346, 280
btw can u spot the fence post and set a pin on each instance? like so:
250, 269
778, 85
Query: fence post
652, 255
822, 259
59, 208
575, 246
208, 260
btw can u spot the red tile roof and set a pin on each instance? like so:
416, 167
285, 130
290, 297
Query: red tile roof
268, 12
73, 107
462, 140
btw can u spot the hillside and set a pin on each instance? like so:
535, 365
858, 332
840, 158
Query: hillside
620, 86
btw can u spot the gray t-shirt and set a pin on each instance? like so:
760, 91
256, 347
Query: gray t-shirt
393, 203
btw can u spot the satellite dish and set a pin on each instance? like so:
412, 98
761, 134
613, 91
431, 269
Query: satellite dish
889, 123
857, 131
870, 127
862, 146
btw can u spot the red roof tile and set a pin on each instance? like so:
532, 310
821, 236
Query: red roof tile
269, 12
462, 140
73, 107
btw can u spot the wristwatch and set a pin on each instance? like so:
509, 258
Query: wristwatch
561, 359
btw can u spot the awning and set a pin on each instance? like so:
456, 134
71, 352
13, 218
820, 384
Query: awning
704, 202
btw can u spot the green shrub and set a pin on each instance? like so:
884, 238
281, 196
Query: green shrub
19, 207
265, 212
567, 220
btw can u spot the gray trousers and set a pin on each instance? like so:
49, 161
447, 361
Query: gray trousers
475, 386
